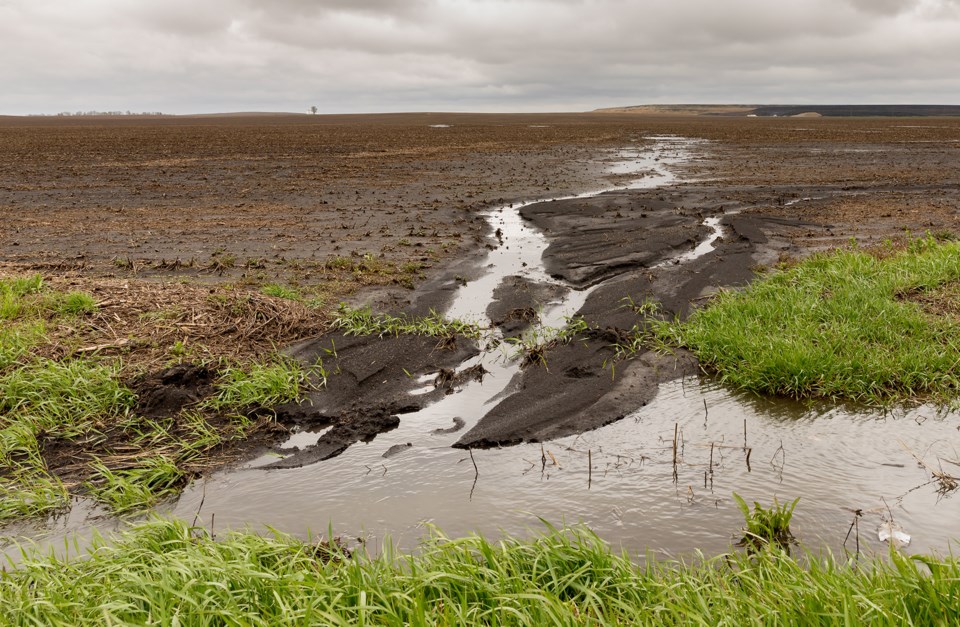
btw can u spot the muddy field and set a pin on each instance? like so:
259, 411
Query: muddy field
390, 210
396, 211
295, 199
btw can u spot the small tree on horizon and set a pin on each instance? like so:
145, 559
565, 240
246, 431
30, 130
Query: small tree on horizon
313, 109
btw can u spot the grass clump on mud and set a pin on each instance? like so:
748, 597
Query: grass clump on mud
872, 327
362, 321
75, 395
169, 572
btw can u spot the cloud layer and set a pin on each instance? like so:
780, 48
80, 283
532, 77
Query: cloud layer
182, 56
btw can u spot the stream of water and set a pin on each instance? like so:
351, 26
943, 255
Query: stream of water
837, 460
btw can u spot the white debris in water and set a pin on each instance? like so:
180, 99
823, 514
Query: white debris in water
892, 533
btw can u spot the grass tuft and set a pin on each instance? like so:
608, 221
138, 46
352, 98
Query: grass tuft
136, 487
363, 321
30, 492
63, 398
766, 526
260, 385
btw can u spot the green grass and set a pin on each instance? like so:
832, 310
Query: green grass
49, 400
28, 297
28, 492
363, 321
62, 399
281, 291
261, 385
766, 525
165, 572
17, 338
536, 341
67, 411
841, 325
72, 303
138, 487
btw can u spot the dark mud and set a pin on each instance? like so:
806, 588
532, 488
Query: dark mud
350, 427
517, 303
628, 245
166, 392
368, 387
592, 239
580, 385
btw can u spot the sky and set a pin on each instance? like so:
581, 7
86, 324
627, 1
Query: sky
343, 56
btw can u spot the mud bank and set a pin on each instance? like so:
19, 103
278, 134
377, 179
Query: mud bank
630, 245
369, 388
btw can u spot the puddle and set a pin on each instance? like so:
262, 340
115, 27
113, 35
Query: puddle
804, 199
303, 439
835, 460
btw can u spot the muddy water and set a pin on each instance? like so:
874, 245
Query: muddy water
837, 460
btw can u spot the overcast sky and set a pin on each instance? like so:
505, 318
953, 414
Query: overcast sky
186, 56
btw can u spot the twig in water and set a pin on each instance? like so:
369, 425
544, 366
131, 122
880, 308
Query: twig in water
749, 450
476, 471
854, 524
476, 474
946, 483
676, 429
783, 460
706, 412
711, 470
554, 459
589, 468
203, 498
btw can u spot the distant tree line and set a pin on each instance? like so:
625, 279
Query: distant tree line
89, 113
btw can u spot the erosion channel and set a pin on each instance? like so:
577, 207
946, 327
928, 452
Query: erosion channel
491, 435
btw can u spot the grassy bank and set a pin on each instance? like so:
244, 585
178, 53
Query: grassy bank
867, 326
164, 572
77, 372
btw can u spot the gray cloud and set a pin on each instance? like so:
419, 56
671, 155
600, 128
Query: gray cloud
385, 55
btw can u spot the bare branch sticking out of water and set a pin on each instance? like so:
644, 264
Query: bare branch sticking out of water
946, 483
476, 473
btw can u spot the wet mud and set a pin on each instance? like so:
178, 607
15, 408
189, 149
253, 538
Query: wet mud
517, 303
368, 387
580, 385
778, 189
349, 427
614, 248
168, 391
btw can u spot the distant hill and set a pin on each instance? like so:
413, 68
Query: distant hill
241, 114
794, 110
683, 109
